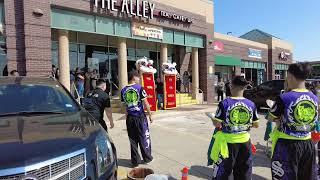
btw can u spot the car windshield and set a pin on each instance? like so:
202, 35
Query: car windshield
15, 98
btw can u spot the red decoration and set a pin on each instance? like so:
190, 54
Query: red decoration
149, 85
170, 100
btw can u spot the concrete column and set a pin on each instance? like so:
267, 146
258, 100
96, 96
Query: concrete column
163, 54
122, 63
64, 65
163, 57
195, 72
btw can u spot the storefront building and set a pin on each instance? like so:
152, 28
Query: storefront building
315, 69
279, 53
109, 35
236, 56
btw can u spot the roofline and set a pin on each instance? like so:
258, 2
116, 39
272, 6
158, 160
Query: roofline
239, 40
262, 32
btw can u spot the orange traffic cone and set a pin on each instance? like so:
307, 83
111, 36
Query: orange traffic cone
185, 172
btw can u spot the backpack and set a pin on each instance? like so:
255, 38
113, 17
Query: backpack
89, 102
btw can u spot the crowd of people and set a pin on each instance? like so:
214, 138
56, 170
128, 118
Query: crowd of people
84, 81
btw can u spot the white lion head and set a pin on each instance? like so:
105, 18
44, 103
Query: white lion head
145, 66
169, 68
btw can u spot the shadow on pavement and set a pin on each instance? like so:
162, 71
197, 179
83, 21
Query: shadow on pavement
124, 163
203, 172
189, 109
260, 159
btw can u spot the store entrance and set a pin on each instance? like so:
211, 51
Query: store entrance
105, 61
256, 76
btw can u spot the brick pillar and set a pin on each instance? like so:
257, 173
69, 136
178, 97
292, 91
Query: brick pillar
206, 60
14, 30
37, 37
271, 69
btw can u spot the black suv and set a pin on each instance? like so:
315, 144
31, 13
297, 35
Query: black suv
267, 90
45, 134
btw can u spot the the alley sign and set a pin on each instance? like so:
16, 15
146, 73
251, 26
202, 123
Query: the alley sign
136, 8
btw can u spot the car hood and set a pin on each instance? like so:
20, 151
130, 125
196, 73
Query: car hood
26, 140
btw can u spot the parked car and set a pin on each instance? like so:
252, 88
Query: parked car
46, 134
267, 90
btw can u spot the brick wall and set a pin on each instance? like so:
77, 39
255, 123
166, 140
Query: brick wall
15, 35
205, 61
28, 37
241, 51
274, 59
37, 37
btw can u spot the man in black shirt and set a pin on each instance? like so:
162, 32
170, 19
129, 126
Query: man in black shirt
100, 101
159, 91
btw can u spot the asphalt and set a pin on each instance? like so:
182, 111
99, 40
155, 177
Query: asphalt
180, 138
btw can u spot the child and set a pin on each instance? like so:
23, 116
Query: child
296, 111
231, 150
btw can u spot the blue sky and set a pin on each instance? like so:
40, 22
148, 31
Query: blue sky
297, 22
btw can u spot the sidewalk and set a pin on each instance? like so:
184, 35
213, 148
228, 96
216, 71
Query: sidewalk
182, 110
180, 138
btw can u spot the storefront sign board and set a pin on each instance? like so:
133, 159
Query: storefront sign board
176, 17
144, 30
255, 53
284, 56
170, 99
136, 8
218, 46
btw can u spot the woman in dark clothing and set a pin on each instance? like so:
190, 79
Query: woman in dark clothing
228, 89
80, 82
87, 82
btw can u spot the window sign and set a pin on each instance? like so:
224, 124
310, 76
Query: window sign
254, 53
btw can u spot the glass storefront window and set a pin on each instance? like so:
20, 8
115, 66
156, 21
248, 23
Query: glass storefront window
131, 54
82, 56
73, 56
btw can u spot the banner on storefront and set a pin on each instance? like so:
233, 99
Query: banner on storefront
170, 100
149, 85
255, 53
148, 31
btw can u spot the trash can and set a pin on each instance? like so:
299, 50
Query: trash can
139, 173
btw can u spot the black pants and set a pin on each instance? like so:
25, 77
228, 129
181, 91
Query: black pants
239, 163
294, 159
103, 124
318, 159
220, 94
138, 132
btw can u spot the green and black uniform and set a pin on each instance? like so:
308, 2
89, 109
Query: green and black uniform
231, 150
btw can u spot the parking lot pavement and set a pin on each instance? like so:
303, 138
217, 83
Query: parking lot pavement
180, 138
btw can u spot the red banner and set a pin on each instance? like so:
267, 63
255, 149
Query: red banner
149, 85
170, 100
